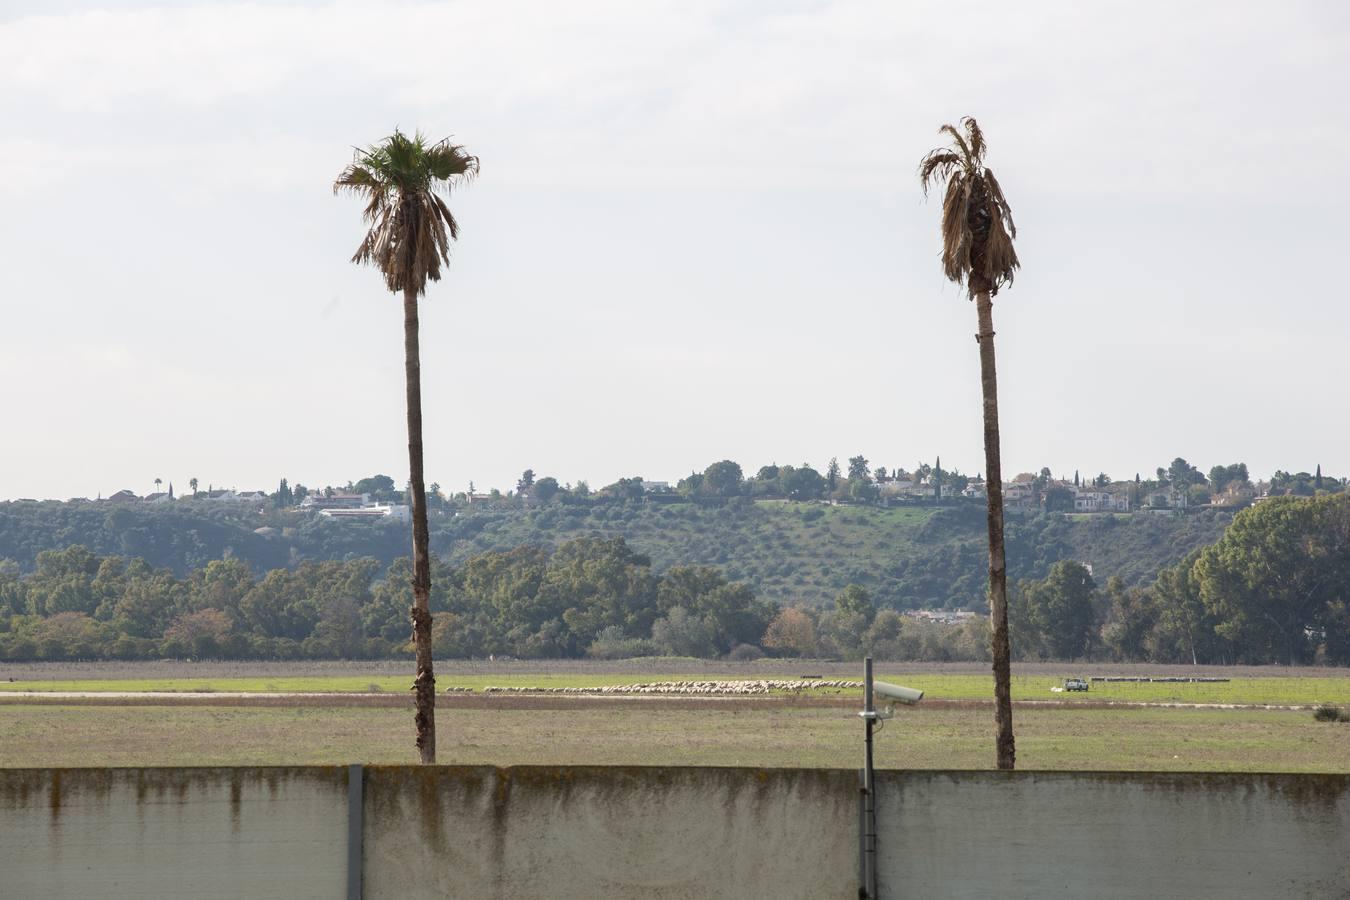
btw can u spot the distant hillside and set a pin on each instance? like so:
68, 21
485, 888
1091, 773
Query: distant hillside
790, 552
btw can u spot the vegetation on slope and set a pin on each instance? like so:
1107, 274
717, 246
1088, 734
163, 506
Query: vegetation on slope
789, 553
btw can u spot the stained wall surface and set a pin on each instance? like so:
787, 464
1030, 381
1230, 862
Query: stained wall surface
180, 833
584, 833
669, 833
1175, 836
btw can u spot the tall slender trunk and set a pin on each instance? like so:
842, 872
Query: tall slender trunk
425, 682
998, 573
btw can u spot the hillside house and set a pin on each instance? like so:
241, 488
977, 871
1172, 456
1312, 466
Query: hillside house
1094, 499
376, 512
336, 501
1018, 495
1165, 499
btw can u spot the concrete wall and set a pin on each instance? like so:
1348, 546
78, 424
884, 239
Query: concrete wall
1113, 835
585, 832
143, 833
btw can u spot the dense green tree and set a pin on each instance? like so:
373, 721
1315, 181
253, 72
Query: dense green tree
791, 633
802, 483
1062, 607
546, 488
1058, 499
380, 487
1184, 630
832, 475
855, 600
681, 633
1274, 575
599, 583
858, 468
723, 479
1182, 474
767, 473
691, 485
12, 592
1129, 619
625, 489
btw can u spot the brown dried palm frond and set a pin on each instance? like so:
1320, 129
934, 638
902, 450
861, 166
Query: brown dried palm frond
411, 226
977, 222
975, 138
938, 166
955, 234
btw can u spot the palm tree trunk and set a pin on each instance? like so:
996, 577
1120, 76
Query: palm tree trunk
998, 573
425, 682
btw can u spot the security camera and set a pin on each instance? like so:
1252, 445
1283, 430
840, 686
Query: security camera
896, 692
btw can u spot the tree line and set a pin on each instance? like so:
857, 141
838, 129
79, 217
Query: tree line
1274, 588
591, 595
789, 553
855, 480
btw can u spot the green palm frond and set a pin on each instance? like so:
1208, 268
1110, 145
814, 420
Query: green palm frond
411, 226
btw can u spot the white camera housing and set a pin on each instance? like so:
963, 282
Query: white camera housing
896, 692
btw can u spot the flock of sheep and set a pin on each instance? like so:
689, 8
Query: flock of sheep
706, 688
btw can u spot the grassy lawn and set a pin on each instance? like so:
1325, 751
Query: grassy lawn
948, 738
1284, 690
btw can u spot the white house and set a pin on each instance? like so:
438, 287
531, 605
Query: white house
337, 501
395, 511
1094, 499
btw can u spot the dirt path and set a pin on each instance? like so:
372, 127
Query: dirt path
540, 701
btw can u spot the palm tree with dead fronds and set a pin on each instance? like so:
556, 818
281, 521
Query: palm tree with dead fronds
410, 230
977, 252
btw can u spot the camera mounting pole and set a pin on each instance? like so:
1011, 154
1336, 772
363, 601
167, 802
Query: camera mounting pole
869, 829
867, 834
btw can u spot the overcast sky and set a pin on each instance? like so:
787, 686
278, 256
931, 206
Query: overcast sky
697, 235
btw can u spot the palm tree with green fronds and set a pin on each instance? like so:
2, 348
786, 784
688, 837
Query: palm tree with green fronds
977, 252
402, 180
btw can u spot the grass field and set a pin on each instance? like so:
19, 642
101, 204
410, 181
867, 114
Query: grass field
1274, 690
510, 729
947, 738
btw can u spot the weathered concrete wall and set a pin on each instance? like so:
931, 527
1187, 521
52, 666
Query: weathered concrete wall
573, 832
173, 833
583, 832
1113, 835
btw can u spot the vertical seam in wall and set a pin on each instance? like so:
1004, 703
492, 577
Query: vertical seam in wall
862, 832
356, 799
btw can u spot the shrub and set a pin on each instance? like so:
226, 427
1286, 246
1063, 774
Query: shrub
745, 653
612, 643
1330, 714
